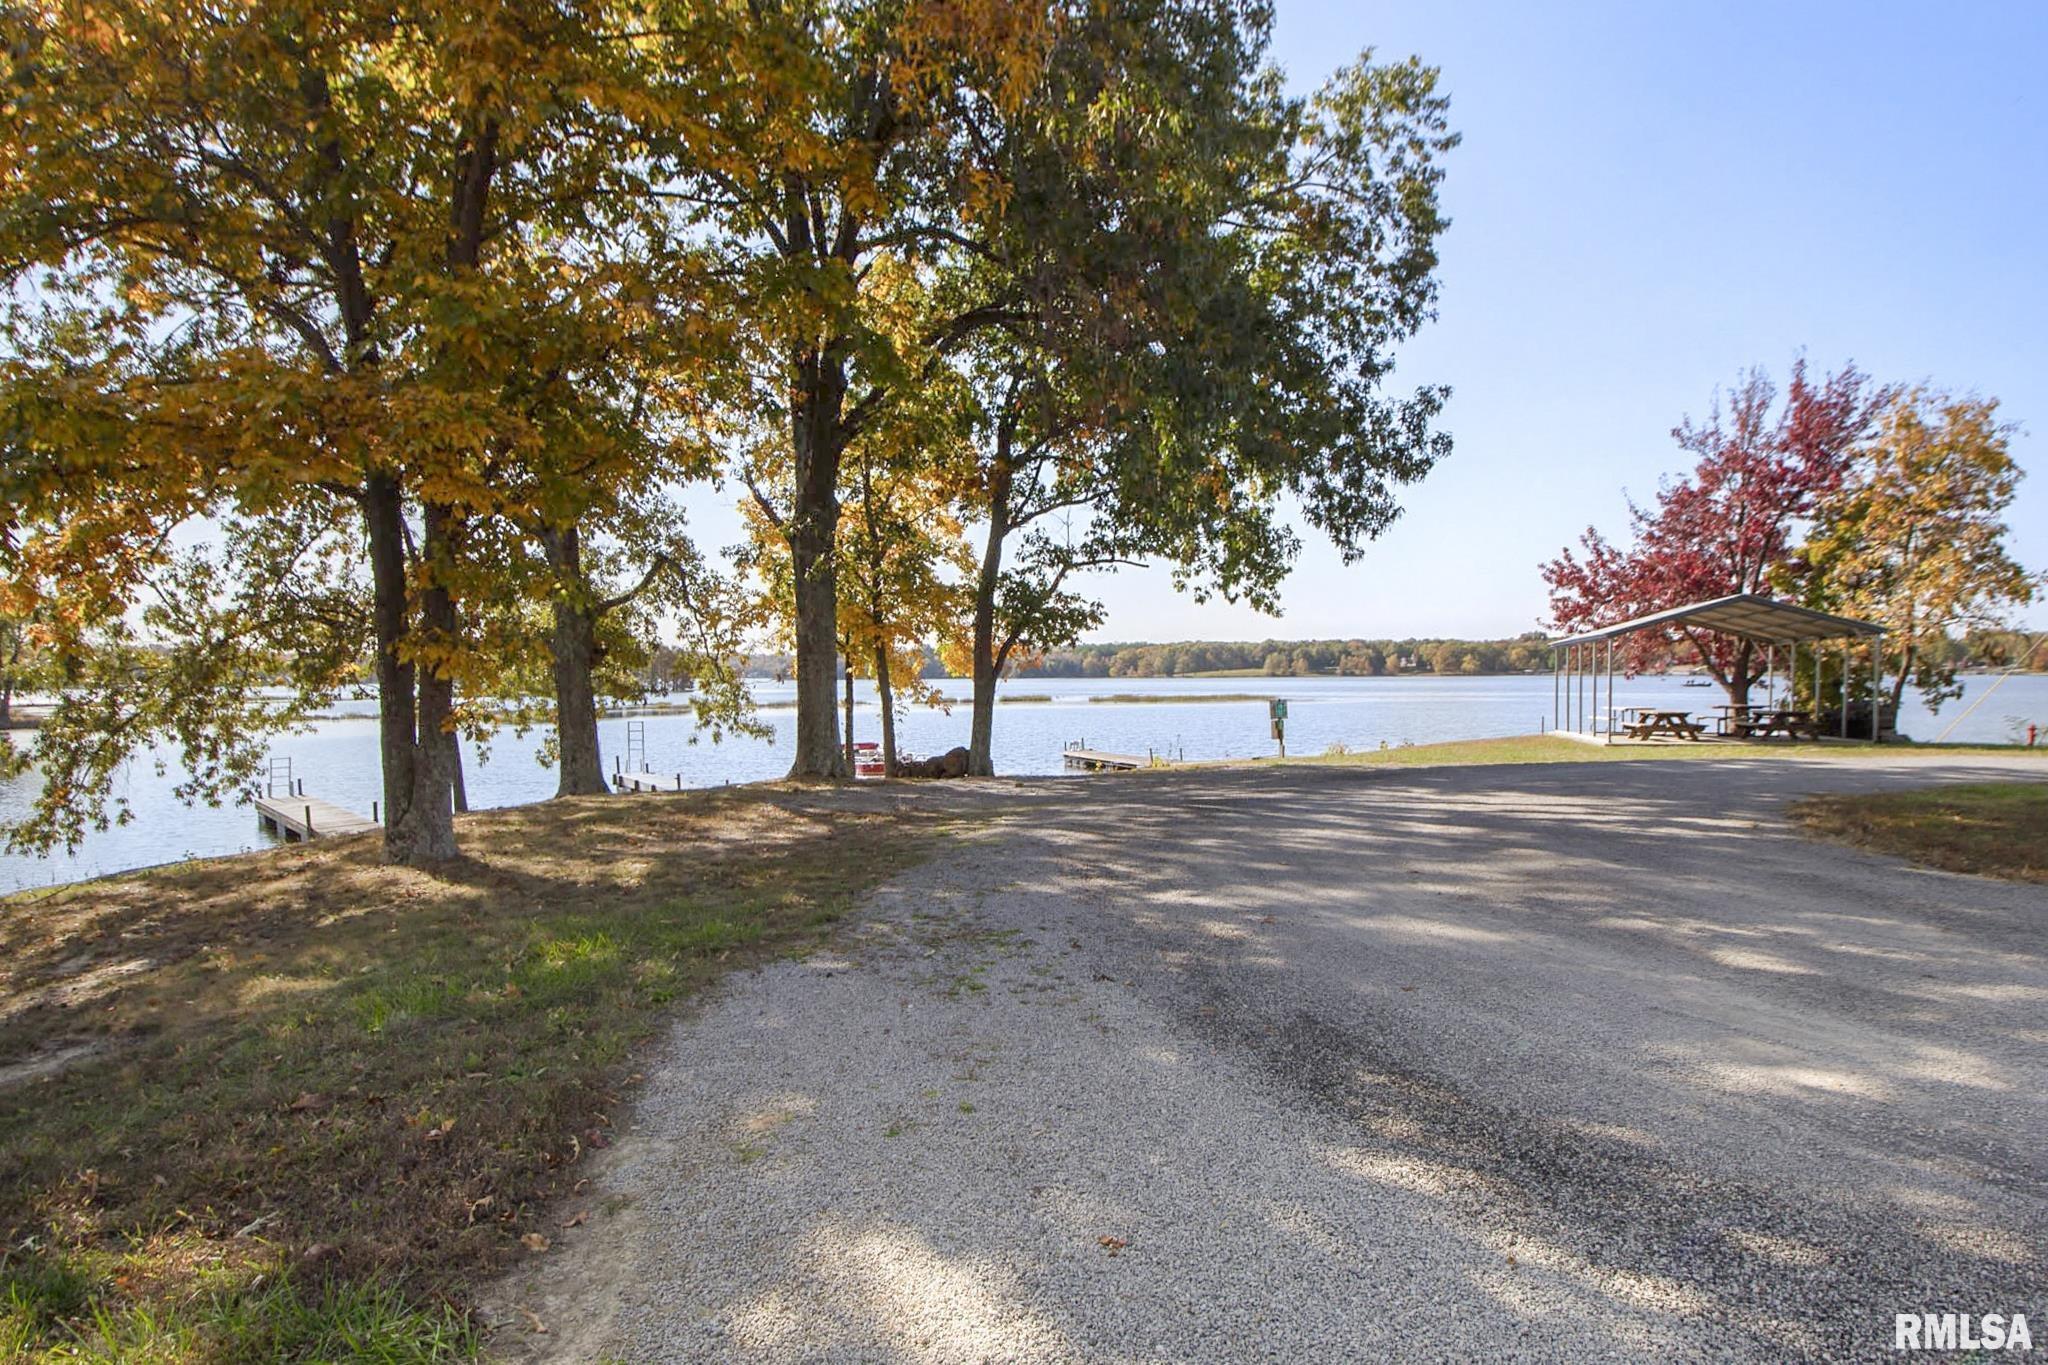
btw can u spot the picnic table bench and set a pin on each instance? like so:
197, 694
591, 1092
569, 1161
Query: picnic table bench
1647, 722
1763, 722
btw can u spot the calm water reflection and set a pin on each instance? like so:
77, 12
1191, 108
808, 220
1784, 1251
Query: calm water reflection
338, 758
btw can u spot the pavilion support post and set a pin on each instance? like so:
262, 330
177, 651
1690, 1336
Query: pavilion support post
1845, 689
1876, 684
1610, 690
1556, 689
1582, 688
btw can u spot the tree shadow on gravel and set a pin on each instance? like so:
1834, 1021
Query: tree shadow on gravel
1624, 1011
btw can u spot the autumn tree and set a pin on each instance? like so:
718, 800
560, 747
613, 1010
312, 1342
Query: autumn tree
605, 367
1225, 345
286, 262
24, 657
863, 143
1733, 524
1914, 538
902, 553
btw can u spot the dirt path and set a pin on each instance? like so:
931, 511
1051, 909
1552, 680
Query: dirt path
1556, 1062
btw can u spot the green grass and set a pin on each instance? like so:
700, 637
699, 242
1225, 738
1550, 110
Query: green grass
318, 1098
1996, 829
56, 1309
1552, 749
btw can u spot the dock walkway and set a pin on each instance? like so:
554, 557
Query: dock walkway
294, 818
647, 782
1098, 760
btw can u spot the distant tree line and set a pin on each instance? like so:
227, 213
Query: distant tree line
1528, 652
1295, 658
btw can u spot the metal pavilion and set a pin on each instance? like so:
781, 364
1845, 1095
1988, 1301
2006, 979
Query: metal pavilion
1577, 660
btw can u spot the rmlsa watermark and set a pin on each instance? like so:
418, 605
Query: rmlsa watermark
1961, 1332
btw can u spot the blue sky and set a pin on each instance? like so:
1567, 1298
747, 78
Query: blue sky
1649, 199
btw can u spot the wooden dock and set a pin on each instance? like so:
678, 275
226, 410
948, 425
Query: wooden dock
647, 782
293, 818
1096, 760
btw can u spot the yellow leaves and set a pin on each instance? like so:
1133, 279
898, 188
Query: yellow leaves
1006, 41
984, 195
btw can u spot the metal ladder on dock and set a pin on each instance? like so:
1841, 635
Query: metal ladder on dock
280, 772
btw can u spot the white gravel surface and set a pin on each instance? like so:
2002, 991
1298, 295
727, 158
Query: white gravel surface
1557, 1063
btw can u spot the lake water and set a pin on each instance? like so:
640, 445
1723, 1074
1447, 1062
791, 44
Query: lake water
337, 759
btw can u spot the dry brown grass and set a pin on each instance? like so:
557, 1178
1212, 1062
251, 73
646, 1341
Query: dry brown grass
1997, 829
305, 1061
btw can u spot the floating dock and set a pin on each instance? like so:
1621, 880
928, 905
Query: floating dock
295, 818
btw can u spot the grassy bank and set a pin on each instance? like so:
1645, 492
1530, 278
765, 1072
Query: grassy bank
1553, 749
288, 1106
1997, 829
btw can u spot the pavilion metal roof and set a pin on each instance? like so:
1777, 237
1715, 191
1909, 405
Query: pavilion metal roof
1747, 614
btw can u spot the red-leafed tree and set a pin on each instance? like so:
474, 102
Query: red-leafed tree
1727, 527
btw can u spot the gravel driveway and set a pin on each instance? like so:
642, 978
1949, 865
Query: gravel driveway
1559, 1062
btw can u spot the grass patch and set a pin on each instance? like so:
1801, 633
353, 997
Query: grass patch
1996, 829
1552, 749
1025, 697
289, 1106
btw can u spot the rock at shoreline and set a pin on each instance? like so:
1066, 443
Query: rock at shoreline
952, 763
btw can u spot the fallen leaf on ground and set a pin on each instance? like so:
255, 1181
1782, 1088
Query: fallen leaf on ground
574, 1220
533, 1321
1112, 1245
307, 1100
533, 1241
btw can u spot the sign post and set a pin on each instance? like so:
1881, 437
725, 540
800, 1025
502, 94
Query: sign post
1277, 709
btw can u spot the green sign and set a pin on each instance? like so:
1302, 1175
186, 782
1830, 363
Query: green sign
1277, 708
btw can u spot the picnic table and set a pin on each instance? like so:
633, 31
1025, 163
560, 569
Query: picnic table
1647, 722
1762, 722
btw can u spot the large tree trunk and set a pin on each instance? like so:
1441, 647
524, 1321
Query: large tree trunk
573, 648
1909, 654
850, 765
1737, 681
982, 718
424, 833
397, 727
813, 527
574, 645
14, 647
458, 784
886, 695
